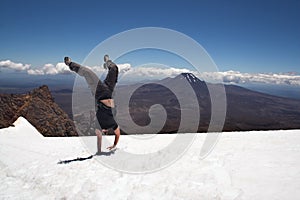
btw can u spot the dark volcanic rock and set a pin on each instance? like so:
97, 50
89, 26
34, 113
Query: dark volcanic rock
39, 108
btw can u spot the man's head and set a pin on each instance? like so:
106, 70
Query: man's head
106, 58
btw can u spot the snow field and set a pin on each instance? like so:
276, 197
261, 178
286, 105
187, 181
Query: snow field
243, 165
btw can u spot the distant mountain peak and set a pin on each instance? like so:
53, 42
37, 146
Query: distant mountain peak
190, 77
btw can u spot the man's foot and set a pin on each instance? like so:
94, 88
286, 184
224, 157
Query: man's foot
99, 153
72, 67
67, 60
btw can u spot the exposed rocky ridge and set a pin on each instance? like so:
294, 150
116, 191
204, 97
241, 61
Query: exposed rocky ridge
39, 108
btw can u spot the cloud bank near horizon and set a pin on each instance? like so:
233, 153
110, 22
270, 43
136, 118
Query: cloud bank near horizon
50, 69
153, 73
235, 77
15, 66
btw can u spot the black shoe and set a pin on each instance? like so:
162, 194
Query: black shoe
72, 66
67, 61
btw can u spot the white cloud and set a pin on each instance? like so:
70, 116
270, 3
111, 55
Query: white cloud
50, 69
35, 72
136, 74
235, 77
122, 68
149, 72
15, 66
232, 77
156, 71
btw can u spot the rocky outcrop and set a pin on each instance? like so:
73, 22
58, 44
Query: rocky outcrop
39, 108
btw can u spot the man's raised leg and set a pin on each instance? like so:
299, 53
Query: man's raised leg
91, 78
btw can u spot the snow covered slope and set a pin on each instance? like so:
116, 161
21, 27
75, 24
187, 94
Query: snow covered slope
244, 165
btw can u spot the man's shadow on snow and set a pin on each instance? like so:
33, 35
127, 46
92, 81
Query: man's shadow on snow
109, 153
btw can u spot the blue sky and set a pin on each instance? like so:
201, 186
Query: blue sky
246, 36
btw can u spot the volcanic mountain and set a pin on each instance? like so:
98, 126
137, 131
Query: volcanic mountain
246, 109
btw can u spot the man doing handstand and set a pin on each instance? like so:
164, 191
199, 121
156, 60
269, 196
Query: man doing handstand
102, 91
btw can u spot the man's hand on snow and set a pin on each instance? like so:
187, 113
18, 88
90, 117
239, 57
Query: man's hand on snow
111, 147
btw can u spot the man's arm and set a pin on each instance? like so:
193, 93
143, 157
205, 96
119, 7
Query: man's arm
117, 136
